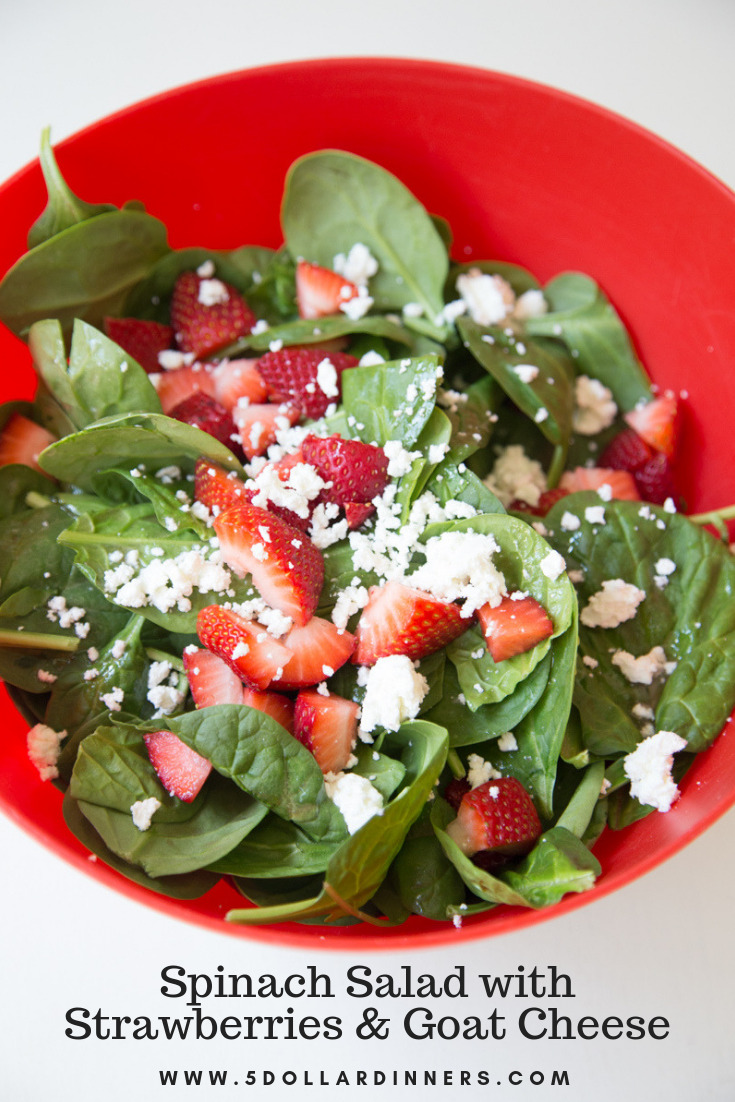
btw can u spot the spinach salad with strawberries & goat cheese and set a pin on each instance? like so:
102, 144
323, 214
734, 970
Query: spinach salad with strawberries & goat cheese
344, 571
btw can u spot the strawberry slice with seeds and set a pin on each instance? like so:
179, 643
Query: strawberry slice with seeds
358, 472
181, 771
319, 649
207, 314
206, 414
258, 425
286, 568
22, 441
275, 705
655, 480
237, 379
498, 816
308, 377
142, 340
657, 423
211, 680
320, 291
514, 626
401, 620
621, 483
327, 726
174, 387
245, 645
356, 513
217, 488
626, 452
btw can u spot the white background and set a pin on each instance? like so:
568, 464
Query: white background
663, 946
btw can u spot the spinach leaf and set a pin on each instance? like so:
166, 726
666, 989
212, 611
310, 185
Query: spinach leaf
335, 199
470, 418
275, 849
306, 331
64, 208
425, 880
16, 482
580, 809
383, 772
391, 401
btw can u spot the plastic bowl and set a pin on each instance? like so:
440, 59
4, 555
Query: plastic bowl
524, 173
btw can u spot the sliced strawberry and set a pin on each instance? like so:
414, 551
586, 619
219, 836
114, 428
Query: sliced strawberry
320, 291
327, 726
356, 513
621, 483
211, 680
217, 488
358, 472
294, 375
237, 379
206, 414
258, 425
22, 441
247, 648
174, 387
207, 314
655, 480
142, 340
181, 771
626, 452
514, 626
457, 788
499, 816
286, 568
318, 649
275, 705
657, 423
401, 620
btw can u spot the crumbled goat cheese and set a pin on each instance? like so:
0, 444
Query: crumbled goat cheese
453, 310
459, 566
531, 304
118, 648
400, 460
357, 306
358, 266
371, 359
488, 298
570, 522
642, 670
326, 378
615, 603
541, 415
349, 601
170, 360
643, 711
437, 452
44, 747
648, 768
665, 567
165, 698
525, 372
206, 269
507, 742
595, 409
113, 700
168, 583
143, 811
46, 677
590, 662
553, 565
412, 310
514, 475
355, 796
394, 691
296, 492
212, 292
479, 771
595, 514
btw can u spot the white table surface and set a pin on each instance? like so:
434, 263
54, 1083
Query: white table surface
663, 946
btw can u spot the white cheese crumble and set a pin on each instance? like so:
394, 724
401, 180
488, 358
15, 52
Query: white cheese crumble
46, 677
113, 700
358, 265
394, 692
355, 796
326, 378
479, 771
514, 475
143, 811
642, 670
665, 567
531, 304
595, 409
507, 742
595, 514
357, 306
212, 292
400, 460
615, 603
570, 522
648, 768
488, 298
459, 566
525, 372
44, 747
553, 565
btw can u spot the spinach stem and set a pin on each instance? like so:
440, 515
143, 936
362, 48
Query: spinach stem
164, 656
716, 517
34, 500
557, 466
33, 640
455, 764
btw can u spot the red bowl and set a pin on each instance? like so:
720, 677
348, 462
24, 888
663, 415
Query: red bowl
524, 173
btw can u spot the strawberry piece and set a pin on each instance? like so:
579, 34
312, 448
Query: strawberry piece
237, 379
401, 620
245, 645
457, 788
258, 425
657, 423
206, 414
275, 705
174, 387
547, 499
292, 374
22, 441
499, 816
513, 627
318, 649
142, 340
621, 483
358, 472
655, 480
327, 726
286, 568
626, 452
181, 771
356, 513
320, 291
211, 680
207, 314
217, 488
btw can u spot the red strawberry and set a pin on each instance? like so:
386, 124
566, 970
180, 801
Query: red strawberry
247, 648
174, 387
626, 452
657, 423
498, 815
457, 788
142, 340
318, 649
22, 441
621, 483
211, 680
320, 291
327, 726
236, 379
258, 425
401, 620
278, 707
204, 413
655, 480
513, 627
292, 374
181, 771
358, 472
286, 568
217, 488
356, 513
204, 324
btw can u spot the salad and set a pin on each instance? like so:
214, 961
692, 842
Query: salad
345, 571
